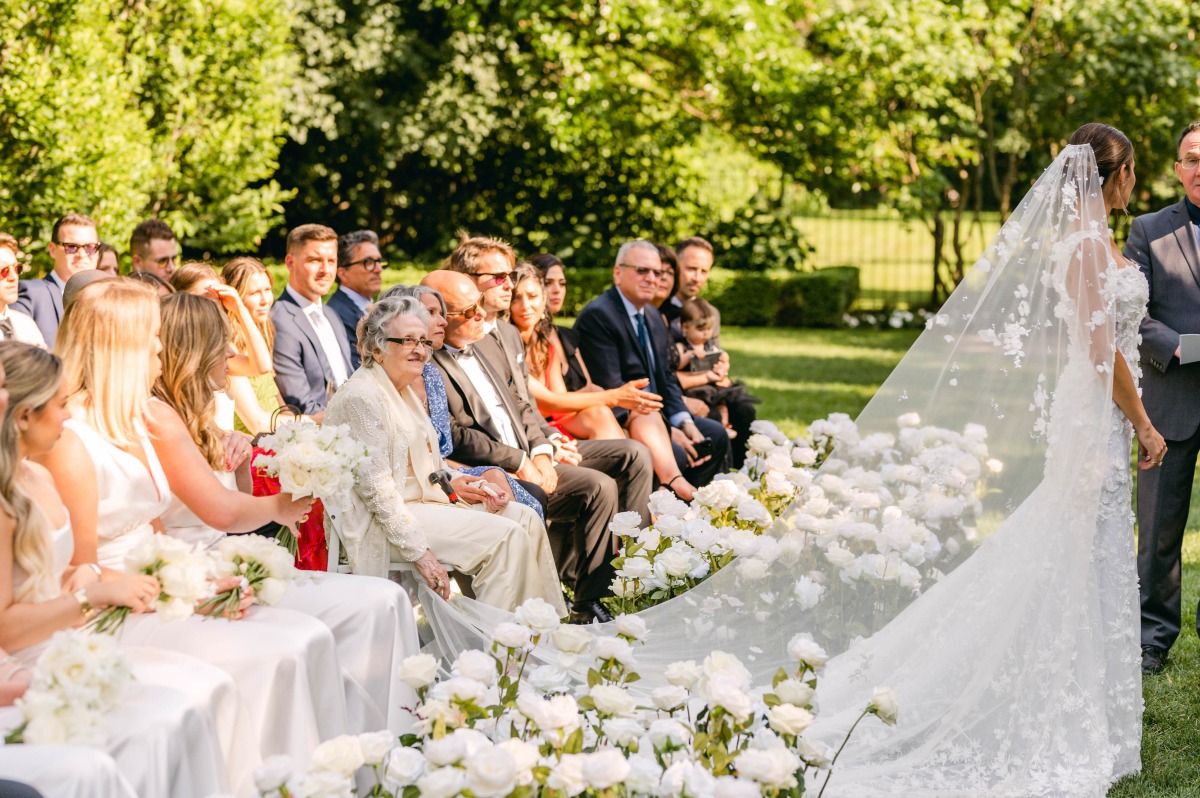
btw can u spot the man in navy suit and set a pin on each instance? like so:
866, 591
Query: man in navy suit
620, 342
359, 275
312, 355
75, 247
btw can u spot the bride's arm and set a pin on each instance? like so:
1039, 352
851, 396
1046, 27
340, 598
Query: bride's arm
1151, 446
192, 480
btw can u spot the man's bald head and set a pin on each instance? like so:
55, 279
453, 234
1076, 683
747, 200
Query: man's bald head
464, 308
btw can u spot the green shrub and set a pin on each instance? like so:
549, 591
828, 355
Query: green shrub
818, 298
760, 238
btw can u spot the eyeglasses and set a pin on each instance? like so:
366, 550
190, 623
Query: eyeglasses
410, 343
1190, 163
6, 271
368, 263
467, 312
642, 271
495, 278
165, 261
72, 249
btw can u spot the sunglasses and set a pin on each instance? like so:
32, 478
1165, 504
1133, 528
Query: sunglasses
6, 271
73, 249
495, 278
467, 312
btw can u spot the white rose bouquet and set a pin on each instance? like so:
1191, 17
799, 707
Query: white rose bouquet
76, 682
261, 565
312, 460
182, 571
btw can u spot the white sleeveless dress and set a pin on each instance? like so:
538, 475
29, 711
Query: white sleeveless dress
284, 664
371, 619
163, 736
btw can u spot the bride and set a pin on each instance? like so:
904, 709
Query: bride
1015, 661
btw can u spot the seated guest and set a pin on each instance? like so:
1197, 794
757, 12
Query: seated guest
431, 390
153, 249
312, 354
79, 282
75, 247
396, 511
108, 260
554, 277
160, 286
625, 343
698, 362
256, 399
667, 284
371, 619
694, 258
585, 413
490, 426
14, 325
359, 276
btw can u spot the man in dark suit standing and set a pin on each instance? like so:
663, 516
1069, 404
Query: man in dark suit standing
359, 276
312, 355
490, 426
1164, 246
620, 342
75, 247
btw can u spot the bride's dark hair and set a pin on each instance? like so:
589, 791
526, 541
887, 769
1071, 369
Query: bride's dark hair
1112, 148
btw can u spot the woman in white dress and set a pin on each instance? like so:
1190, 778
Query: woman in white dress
395, 512
284, 664
370, 617
164, 732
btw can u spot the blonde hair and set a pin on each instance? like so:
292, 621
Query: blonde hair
237, 274
32, 378
195, 334
106, 348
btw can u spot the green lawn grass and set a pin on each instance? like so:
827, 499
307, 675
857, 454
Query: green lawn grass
802, 375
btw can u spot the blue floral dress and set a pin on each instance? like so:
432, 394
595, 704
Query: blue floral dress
439, 414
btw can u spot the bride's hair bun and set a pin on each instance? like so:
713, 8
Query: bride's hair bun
1111, 147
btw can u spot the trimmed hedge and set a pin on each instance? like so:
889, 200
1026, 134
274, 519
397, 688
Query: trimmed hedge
761, 299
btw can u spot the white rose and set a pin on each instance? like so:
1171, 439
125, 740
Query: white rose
273, 773
477, 665
773, 767
664, 502
840, 557
635, 568
442, 783
559, 712
375, 746
808, 593
512, 635
448, 750
789, 719
817, 754
668, 526
612, 700
733, 787
644, 775
759, 444
460, 688
669, 697
270, 591
567, 775
549, 679
752, 568
572, 639
621, 731
604, 768
668, 732
614, 648
723, 661
752, 511
724, 689
631, 626
884, 705
805, 650
418, 670
625, 524
492, 773
323, 784
404, 767
686, 779
525, 755
795, 692
538, 614
684, 674
342, 755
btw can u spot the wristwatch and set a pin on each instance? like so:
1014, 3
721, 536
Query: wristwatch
85, 606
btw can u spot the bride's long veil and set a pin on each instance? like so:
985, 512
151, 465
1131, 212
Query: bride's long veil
947, 540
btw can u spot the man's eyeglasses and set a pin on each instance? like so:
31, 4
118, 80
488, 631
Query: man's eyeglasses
368, 263
642, 271
467, 312
7, 271
409, 343
72, 249
495, 278
169, 259
1190, 163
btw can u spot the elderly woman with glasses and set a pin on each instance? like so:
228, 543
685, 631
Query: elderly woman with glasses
396, 511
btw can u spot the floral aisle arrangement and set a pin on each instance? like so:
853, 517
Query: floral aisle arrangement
76, 683
864, 514
182, 571
497, 726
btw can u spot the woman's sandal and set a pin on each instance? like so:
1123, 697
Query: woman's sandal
670, 482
